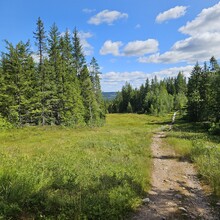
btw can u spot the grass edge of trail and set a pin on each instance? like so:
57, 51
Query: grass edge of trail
193, 142
85, 173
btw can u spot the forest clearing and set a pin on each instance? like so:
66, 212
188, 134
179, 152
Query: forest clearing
134, 137
88, 173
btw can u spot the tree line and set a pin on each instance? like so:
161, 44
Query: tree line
154, 97
204, 92
198, 97
59, 88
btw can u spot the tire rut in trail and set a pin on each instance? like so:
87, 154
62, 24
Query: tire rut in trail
176, 192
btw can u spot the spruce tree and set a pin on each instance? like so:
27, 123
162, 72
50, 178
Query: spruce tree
73, 103
180, 84
193, 95
92, 114
94, 74
18, 70
40, 36
78, 56
57, 76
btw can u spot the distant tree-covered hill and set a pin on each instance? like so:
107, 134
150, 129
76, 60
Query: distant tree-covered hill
109, 95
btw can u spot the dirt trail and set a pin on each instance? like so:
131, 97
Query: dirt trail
176, 192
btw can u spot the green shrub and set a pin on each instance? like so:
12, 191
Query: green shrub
208, 162
4, 124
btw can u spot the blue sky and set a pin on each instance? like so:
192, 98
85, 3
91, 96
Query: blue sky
131, 40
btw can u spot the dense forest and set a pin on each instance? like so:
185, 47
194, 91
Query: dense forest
198, 97
155, 97
58, 88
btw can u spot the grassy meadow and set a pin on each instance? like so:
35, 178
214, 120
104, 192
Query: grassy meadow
83, 173
192, 141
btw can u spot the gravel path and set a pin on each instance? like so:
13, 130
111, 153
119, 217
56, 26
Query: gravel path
176, 192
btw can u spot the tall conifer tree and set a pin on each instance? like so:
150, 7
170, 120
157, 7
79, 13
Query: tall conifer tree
18, 69
94, 74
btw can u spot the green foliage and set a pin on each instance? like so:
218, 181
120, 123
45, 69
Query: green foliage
4, 125
214, 128
85, 173
203, 91
207, 159
53, 90
192, 141
17, 72
157, 98
129, 108
180, 102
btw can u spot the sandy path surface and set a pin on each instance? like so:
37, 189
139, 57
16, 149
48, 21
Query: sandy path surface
176, 192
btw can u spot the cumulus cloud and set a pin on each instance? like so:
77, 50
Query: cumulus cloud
113, 81
206, 21
107, 17
172, 13
139, 48
202, 43
110, 47
192, 49
133, 48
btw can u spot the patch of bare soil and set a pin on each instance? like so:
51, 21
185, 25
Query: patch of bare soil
176, 191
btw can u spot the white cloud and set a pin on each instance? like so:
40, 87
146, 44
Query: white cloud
110, 47
139, 48
87, 48
202, 43
172, 13
113, 81
195, 48
107, 16
133, 48
206, 21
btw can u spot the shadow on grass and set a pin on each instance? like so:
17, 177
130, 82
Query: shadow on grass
192, 131
158, 123
108, 197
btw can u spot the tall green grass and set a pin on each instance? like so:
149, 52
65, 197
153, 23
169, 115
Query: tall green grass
192, 141
83, 173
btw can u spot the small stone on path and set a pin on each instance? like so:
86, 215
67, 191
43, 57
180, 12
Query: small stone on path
182, 209
146, 200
